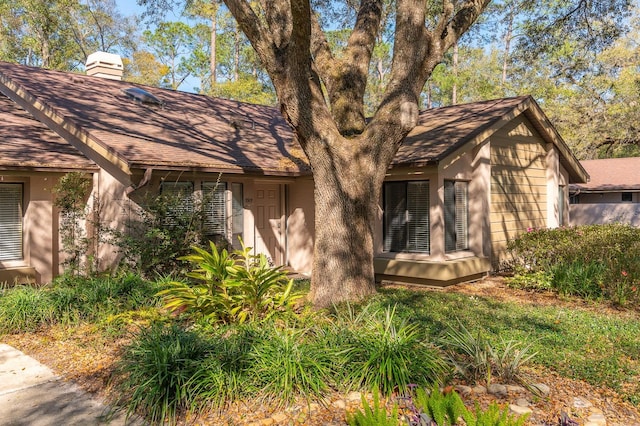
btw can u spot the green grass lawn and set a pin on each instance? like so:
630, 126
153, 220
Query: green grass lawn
600, 348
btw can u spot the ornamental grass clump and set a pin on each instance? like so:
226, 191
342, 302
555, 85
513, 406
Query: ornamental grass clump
287, 363
387, 353
25, 308
155, 372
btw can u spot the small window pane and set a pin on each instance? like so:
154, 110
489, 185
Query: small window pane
627, 197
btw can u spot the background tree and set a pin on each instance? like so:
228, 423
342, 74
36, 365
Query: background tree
41, 31
173, 45
97, 25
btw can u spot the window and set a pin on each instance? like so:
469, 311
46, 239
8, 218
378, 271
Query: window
179, 198
406, 217
627, 197
456, 213
561, 206
237, 213
10, 221
215, 212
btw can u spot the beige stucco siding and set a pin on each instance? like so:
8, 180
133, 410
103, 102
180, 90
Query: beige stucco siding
300, 226
519, 184
39, 231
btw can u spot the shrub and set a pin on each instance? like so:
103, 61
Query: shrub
71, 193
589, 261
231, 288
161, 232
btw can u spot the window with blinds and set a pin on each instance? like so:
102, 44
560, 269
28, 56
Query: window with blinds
456, 215
179, 197
215, 212
406, 217
10, 221
237, 213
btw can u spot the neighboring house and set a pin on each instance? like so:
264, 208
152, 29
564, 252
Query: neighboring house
468, 179
612, 194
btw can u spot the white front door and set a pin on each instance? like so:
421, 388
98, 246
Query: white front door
269, 226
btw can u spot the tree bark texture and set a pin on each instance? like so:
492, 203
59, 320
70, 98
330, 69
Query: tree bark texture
321, 95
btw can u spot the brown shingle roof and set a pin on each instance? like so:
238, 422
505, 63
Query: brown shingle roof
611, 174
197, 132
190, 130
442, 130
27, 143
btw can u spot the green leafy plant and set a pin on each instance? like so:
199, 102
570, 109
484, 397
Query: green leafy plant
24, 308
71, 193
509, 357
538, 280
495, 415
591, 261
71, 299
375, 415
579, 278
442, 408
229, 288
476, 358
162, 231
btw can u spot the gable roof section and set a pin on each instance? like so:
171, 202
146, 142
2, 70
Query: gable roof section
189, 131
611, 174
441, 131
27, 144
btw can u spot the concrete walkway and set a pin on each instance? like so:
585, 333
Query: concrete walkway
32, 395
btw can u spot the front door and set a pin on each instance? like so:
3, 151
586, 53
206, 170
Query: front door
269, 230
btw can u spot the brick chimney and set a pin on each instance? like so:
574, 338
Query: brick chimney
105, 65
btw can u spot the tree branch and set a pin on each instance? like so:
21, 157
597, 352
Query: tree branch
258, 35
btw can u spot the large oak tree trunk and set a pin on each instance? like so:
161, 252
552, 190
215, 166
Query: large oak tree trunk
321, 96
345, 212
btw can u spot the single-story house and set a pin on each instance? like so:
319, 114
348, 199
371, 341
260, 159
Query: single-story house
612, 195
468, 179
